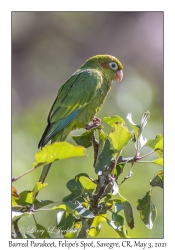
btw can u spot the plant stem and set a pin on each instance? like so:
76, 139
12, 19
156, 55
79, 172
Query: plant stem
147, 154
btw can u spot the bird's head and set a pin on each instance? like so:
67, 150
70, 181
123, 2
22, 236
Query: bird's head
110, 66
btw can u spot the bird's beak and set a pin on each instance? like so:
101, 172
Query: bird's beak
119, 75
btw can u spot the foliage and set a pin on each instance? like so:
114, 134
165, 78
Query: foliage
94, 202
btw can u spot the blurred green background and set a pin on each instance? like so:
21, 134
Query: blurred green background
47, 47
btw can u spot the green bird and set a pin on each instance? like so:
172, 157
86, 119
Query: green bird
79, 99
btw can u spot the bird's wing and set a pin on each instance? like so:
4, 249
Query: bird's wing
72, 98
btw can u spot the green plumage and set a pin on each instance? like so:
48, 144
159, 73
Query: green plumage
80, 98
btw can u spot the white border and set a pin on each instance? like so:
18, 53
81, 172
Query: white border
5, 95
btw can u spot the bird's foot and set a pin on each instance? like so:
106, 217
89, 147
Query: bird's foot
96, 123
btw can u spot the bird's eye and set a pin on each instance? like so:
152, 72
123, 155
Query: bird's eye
113, 65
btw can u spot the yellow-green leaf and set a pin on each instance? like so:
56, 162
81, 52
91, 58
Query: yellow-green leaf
159, 161
58, 151
95, 229
87, 183
120, 136
113, 120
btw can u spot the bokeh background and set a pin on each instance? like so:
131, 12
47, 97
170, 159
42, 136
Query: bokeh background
47, 47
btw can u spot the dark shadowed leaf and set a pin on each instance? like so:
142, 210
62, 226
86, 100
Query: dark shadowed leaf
74, 187
121, 230
128, 213
40, 232
118, 205
148, 211
64, 222
39, 204
73, 232
158, 180
74, 208
104, 158
85, 139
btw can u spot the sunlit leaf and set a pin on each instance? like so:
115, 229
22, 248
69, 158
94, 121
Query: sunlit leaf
120, 136
156, 144
58, 151
87, 184
148, 211
113, 120
94, 228
37, 187
158, 161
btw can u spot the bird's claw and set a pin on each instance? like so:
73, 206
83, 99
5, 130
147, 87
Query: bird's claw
96, 123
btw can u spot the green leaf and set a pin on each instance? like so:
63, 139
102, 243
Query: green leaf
118, 218
148, 211
95, 226
37, 187
118, 205
104, 158
87, 184
128, 213
120, 136
74, 231
85, 139
111, 121
17, 215
25, 198
39, 204
74, 187
158, 161
64, 221
69, 197
41, 232
121, 230
74, 208
102, 139
156, 144
157, 181
58, 151
119, 168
